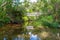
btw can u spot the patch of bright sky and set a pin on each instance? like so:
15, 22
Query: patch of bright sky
29, 0
21, 0
33, 1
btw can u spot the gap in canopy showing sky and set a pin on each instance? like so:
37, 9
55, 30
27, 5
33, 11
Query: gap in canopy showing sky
17, 1
29, 0
33, 1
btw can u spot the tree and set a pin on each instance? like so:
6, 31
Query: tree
14, 13
48, 8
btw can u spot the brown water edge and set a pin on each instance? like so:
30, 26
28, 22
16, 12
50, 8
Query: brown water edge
11, 29
44, 33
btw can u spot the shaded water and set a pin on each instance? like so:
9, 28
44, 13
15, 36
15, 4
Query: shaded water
14, 38
26, 35
19, 37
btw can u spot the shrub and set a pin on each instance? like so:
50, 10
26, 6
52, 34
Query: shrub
4, 19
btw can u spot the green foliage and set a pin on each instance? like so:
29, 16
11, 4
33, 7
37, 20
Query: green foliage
55, 24
36, 23
19, 13
25, 18
47, 18
50, 10
14, 13
51, 25
46, 21
4, 19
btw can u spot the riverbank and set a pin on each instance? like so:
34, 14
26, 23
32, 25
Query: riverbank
43, 32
